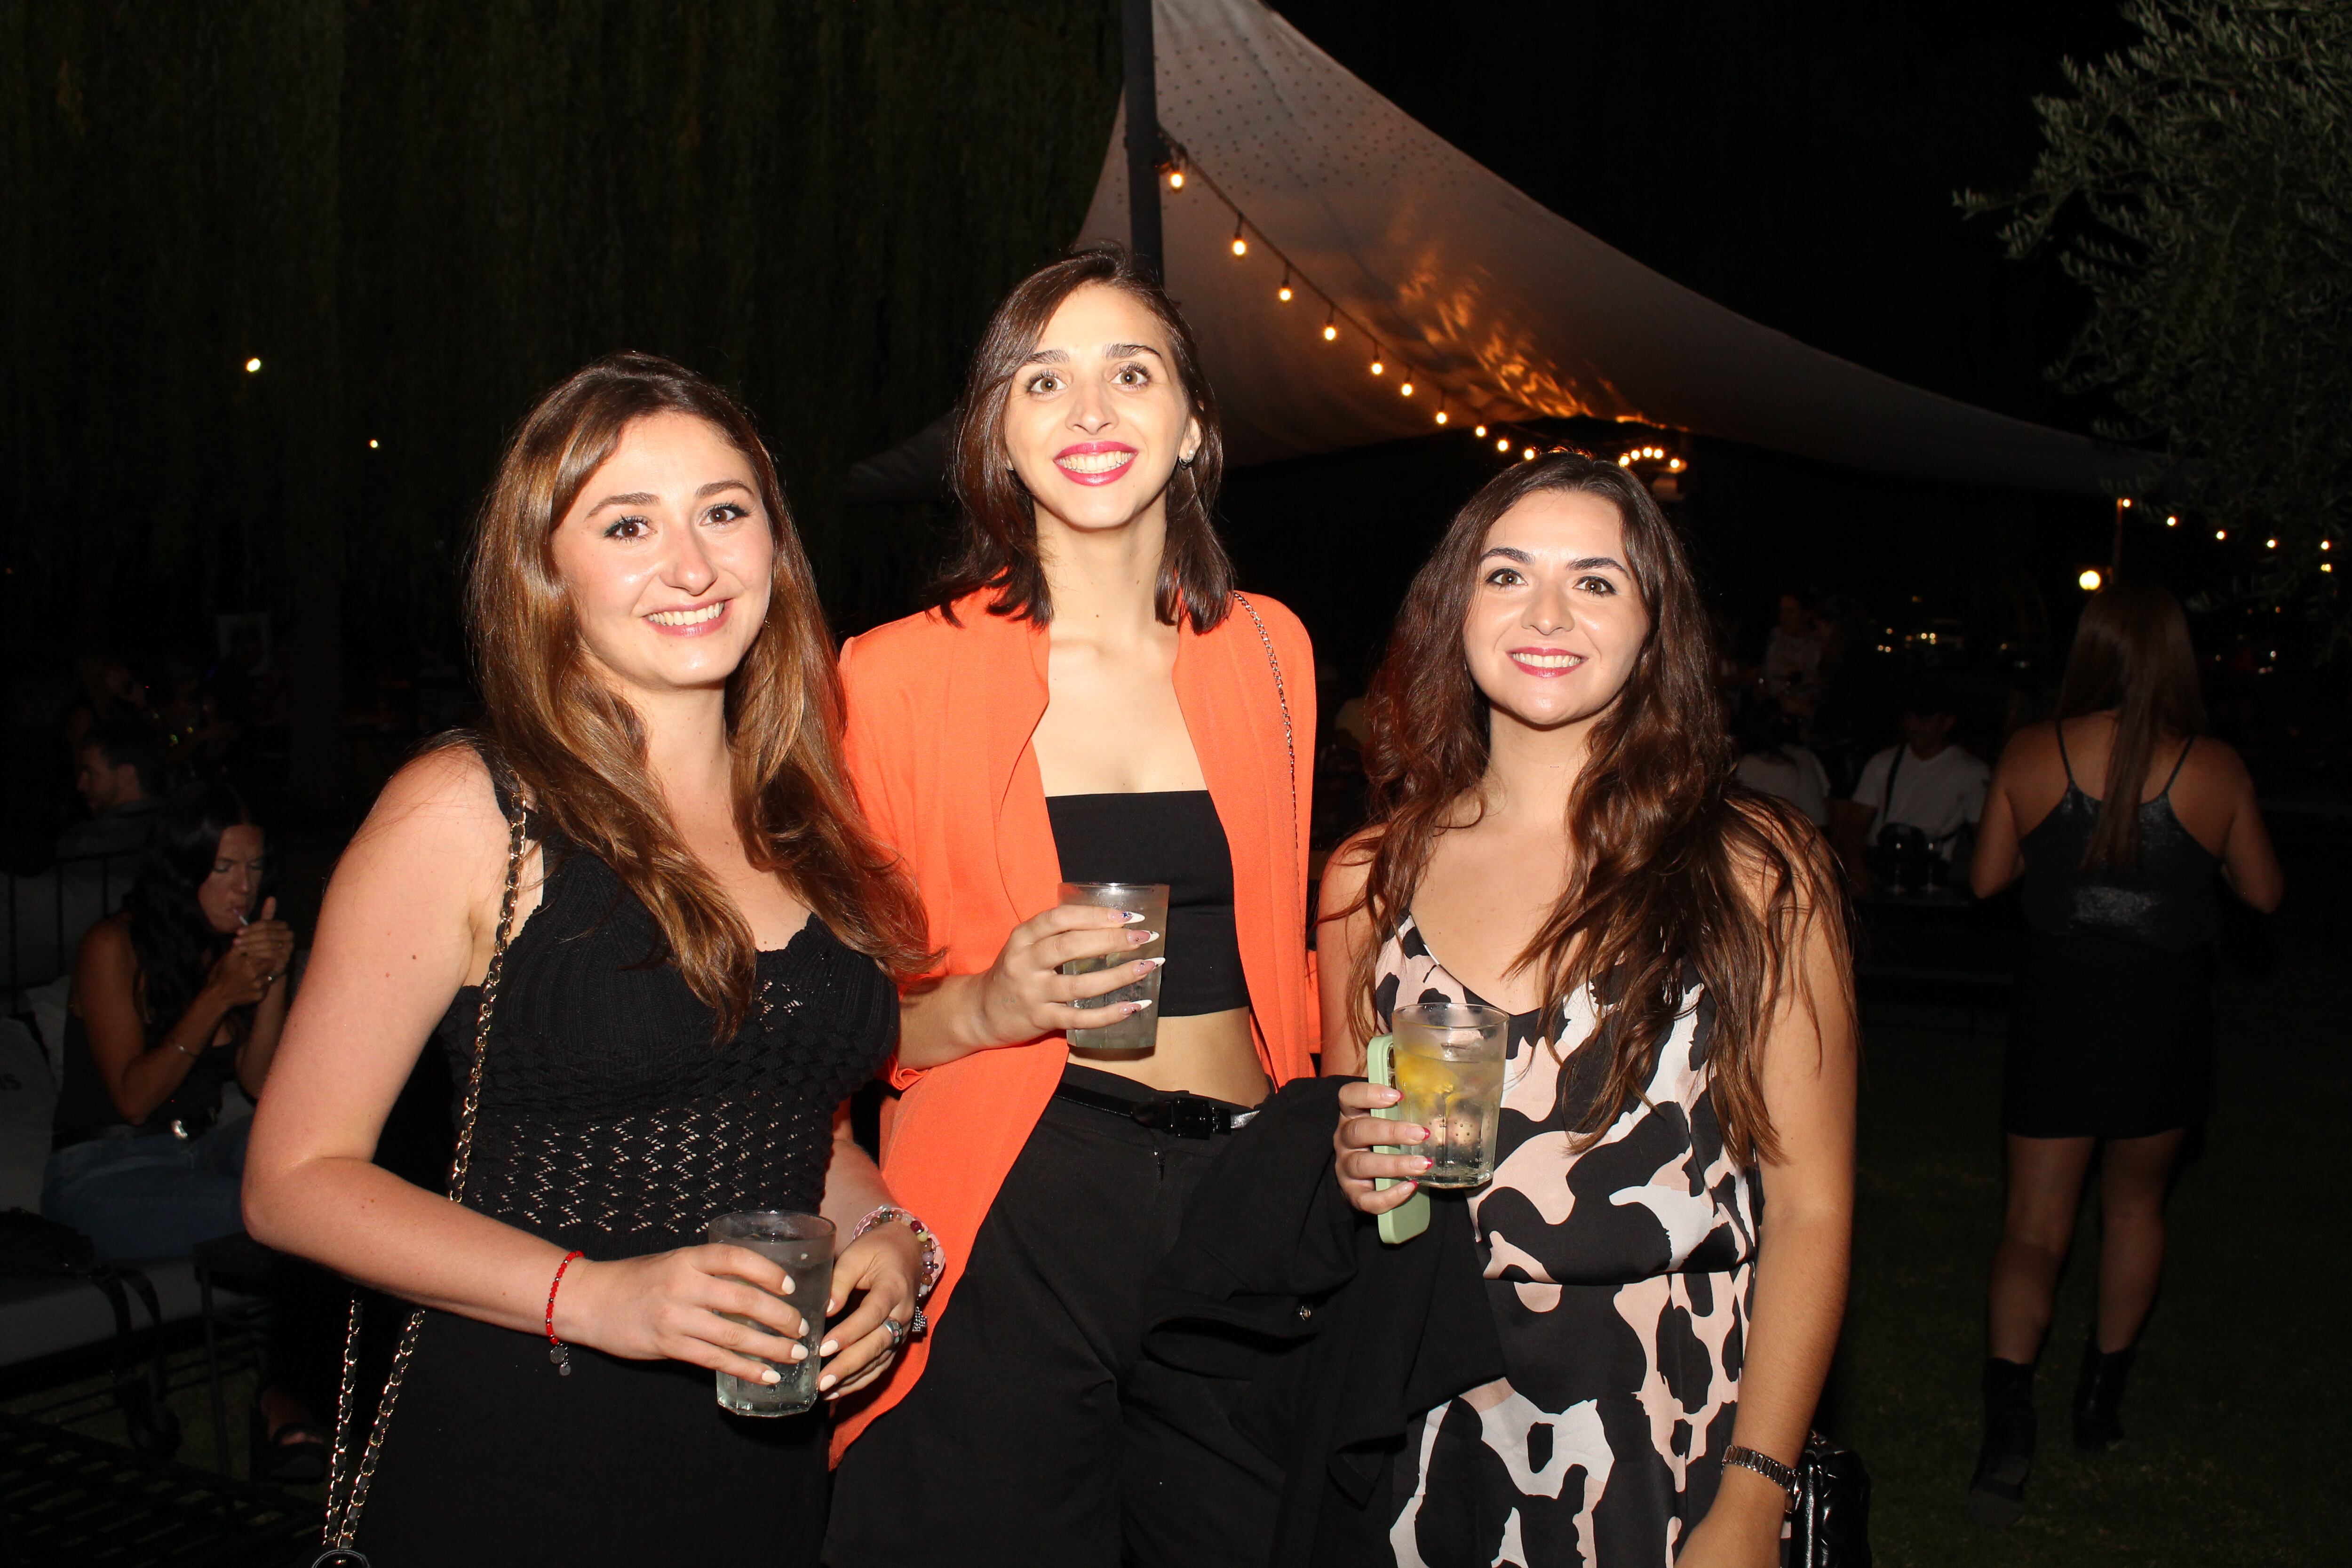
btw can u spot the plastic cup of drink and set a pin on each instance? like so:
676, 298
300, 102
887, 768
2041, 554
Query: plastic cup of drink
1137, 1032
1448, 1064
802, 1245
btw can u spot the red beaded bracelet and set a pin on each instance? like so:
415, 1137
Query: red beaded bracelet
558, 1351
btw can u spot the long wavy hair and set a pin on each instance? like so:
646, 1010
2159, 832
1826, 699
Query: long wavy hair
578, 748
2131, 655
171, 942
996, 545
1676, 865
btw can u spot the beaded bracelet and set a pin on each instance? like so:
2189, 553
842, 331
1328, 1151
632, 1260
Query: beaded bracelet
935, 1257
558, 1351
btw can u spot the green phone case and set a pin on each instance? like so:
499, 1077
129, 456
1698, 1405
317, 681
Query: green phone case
1411, 1218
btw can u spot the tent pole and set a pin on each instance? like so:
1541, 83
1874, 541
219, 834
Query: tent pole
1143, 147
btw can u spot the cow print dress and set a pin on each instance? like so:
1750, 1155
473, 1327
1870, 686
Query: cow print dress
1620, 1279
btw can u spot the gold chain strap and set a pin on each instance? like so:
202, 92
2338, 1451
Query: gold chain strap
346, 1497
1282, 695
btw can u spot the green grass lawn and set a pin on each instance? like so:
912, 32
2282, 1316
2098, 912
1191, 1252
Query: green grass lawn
2233, 1417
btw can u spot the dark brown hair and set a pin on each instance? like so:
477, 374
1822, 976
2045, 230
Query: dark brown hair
1676, 865
996, 544
2131, 654
578, 748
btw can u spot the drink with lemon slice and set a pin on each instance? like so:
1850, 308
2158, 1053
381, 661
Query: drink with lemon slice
1448, 1065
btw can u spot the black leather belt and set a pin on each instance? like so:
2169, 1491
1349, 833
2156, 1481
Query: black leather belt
1178, 1115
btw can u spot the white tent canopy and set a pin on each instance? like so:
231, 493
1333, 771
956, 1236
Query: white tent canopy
1477, 293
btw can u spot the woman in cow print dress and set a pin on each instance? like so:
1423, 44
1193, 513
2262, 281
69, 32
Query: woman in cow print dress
1556, 832
1619, 1279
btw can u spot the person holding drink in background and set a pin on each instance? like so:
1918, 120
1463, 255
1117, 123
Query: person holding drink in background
1560, 852
1088, 702
645, 898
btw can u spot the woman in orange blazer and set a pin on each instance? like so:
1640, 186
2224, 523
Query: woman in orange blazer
1089, 700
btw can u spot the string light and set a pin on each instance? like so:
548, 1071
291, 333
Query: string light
2172, 523
1529, 454
2124, 504
2220, 533
2323, 543
253, 366
1285, 291
2270, 544
372, 443
2089, 580
1676, 464
1480, 432
1502, 444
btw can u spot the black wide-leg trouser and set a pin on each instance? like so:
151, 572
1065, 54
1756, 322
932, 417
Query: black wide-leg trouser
1033, 1439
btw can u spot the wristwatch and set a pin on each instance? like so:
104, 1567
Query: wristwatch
1765, 1465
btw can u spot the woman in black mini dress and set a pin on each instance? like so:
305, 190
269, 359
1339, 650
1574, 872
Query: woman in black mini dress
701, 972
2114, 1013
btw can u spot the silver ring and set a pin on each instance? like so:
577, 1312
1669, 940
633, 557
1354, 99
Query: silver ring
898, 1331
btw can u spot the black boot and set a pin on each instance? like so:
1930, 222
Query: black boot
2099, 1397
1997, 1491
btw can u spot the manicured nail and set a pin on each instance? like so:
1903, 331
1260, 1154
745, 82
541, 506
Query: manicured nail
1135, 1007
1149, 965
1140, 938
800, 1353
827, 1348
789, 1286
771, 1375
827, 1381
1131, 916
1426, 1163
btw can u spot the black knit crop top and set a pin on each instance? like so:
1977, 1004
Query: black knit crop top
613, 1119
1172, 837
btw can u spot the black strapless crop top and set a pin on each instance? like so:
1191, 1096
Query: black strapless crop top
1171, 837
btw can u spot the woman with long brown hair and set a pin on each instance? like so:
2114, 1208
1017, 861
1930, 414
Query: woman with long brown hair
1557, 833
2112, 1024
1087, 700
646, 883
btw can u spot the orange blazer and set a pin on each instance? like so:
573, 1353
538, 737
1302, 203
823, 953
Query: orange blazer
940, 717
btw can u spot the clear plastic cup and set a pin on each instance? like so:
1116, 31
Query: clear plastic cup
1448, 1064
802, 1245
1138, 1032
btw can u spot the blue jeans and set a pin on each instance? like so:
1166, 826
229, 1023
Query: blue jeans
154, 1196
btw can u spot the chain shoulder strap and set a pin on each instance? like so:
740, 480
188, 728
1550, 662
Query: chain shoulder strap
1282, 695
347, 1494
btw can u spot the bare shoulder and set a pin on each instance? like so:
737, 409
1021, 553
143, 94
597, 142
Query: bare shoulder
1782, 854
442, 804
2211, 768
106, 945
2031, 749
1344, 874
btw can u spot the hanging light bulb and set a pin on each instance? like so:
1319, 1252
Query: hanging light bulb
1240, 246
1529, 454
1284, 293
1331, 326
1377, 367
1480, 432
2172, 523
1441, 417
1175, 179
1502, 443
253, 366
1406, 389
2124, 504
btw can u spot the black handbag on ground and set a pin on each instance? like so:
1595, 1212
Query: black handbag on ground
1829, 1527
